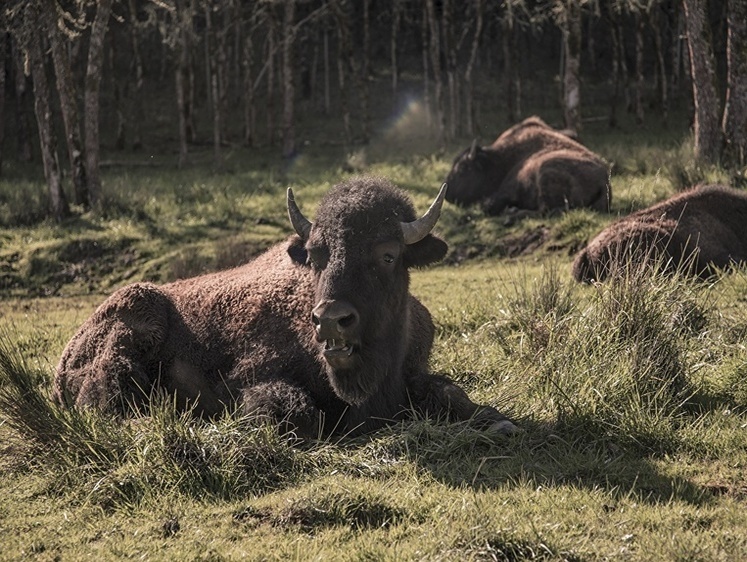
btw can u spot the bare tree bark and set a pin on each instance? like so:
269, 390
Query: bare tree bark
424, 24
215, 61
94, 71
655, 24
327, 99
289, 126
138, 112
270, 29
23, 120
705, 98
363, 78
183, 22
247, 64
394, 39
734, 124
468, 73
58, 205
614, 98
571, 28
510, 66
68, 104
449, 46
3, 57
639, 80
435, 59
344, 52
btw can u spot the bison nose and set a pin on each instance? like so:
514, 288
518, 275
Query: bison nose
334, 320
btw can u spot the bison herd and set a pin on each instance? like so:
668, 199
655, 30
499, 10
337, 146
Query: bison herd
320, 333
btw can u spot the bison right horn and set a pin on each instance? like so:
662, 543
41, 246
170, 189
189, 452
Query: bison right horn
300, 223
418, 229
472, 150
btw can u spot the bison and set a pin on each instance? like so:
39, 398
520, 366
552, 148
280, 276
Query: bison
696, 232
533, 167
319, 333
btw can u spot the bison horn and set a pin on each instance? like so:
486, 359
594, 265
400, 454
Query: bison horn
416, 230
300, 223
472, 150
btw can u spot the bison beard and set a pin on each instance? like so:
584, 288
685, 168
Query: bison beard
318, 333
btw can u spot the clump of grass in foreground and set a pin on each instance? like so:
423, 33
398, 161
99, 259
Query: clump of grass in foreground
614, 363
122, 462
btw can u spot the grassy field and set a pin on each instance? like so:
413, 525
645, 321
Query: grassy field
632, 395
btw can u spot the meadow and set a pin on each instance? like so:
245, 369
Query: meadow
632, 395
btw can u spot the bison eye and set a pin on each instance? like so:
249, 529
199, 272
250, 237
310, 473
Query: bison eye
388, 258
317, 258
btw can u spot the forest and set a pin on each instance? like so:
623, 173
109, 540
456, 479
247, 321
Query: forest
160, 75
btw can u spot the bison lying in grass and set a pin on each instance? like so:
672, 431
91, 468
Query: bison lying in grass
531, 166
696, 232
319, 333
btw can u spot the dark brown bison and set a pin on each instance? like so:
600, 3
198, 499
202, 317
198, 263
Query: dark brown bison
319, 332
697, 232
531, 166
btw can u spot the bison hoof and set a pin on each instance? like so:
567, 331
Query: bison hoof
504, 427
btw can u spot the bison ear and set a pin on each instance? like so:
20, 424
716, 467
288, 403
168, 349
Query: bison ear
425, 252
297, 251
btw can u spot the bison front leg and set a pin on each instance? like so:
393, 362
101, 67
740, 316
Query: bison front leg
112, 361
286, 405
442, 396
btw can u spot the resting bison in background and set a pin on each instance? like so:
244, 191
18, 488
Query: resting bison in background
531, 166
319, 332
697, 231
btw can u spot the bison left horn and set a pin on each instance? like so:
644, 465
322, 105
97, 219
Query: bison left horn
300, 223
416, 230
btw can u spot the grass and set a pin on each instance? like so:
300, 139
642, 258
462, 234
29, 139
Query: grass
632, 394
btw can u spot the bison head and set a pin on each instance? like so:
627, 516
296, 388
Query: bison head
359, 249
472, 176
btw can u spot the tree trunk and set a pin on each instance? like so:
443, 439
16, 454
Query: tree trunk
138, 112
289, 126
270, 56
468, 73
705, 98
327, 100
571, 27
365, 74
450, 48
655, 23
213, 64
181, 74
426, 65
639, 84
119, 87
344, 51
91, 99
616, 75
3, 51
58, 205
23, 121
394, 39
435, 56
735, 110
510, 68
247, 63
68, 104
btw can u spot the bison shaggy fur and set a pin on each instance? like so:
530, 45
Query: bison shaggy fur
533, 167
696, 232
319, 333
